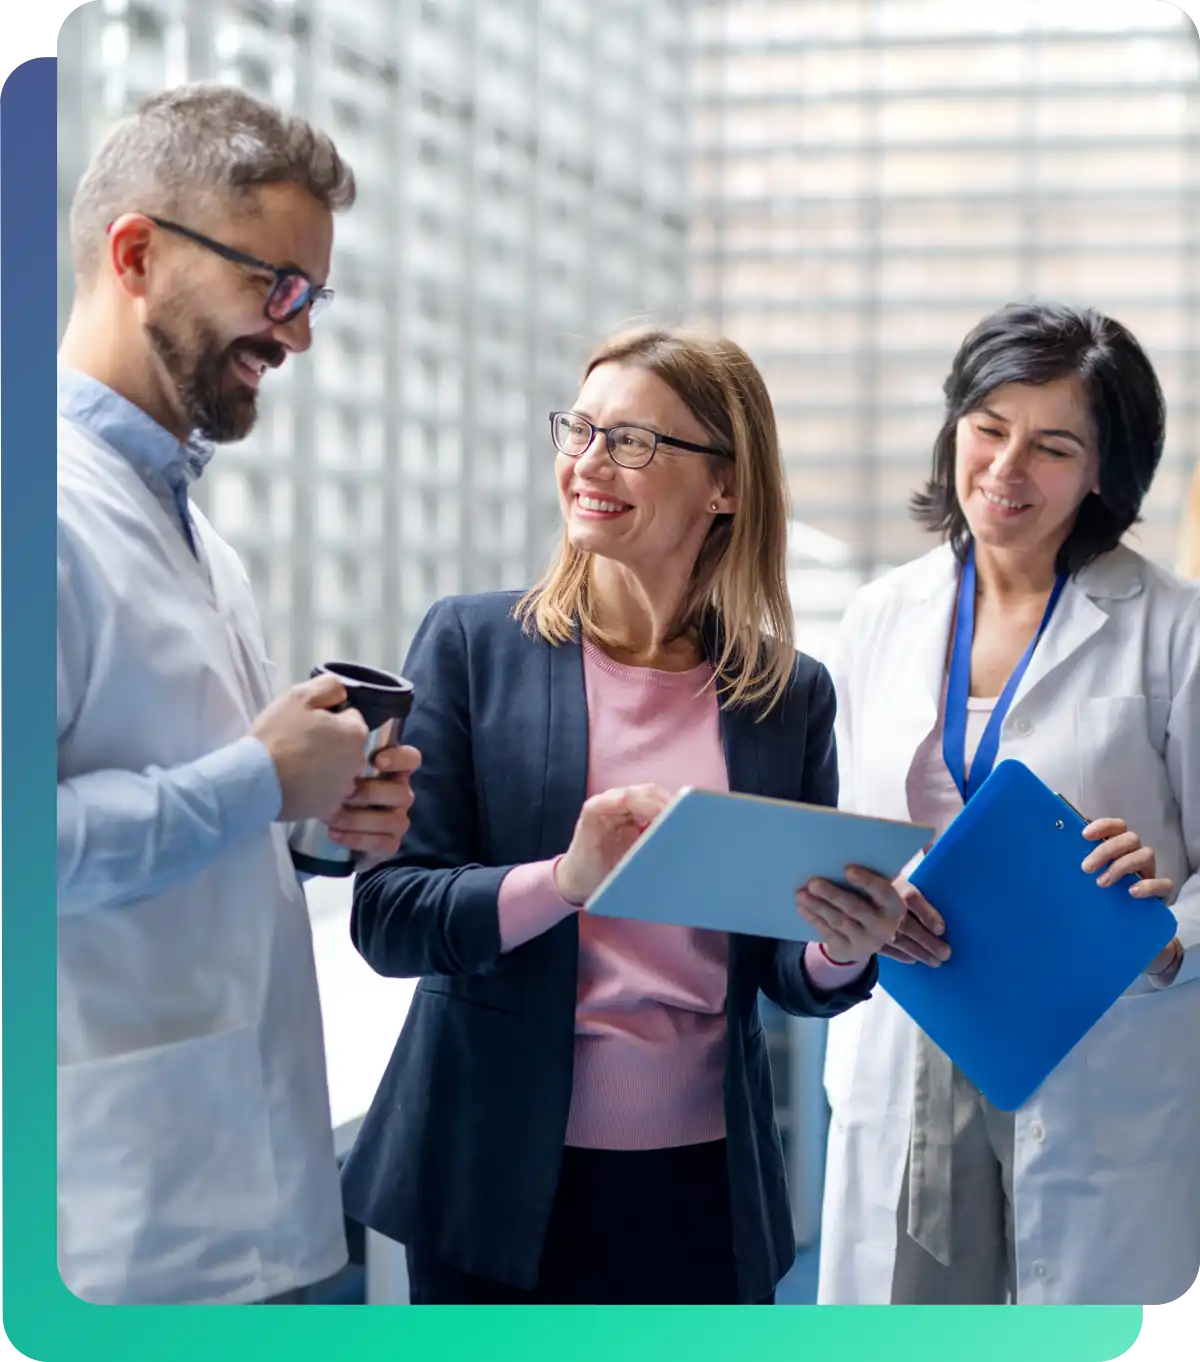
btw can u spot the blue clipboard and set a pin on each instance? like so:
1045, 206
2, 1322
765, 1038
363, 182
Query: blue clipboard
733, 862
1001, 1013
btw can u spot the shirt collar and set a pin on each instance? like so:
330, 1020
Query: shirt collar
153, 452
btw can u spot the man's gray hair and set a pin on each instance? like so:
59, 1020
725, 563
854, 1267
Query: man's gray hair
180, 149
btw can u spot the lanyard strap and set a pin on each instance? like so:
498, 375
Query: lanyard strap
954, 732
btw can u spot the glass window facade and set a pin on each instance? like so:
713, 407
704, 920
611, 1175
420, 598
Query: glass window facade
873, 176
845, 186
511, 209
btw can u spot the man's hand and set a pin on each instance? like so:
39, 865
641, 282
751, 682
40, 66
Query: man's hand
317, 754
374, 819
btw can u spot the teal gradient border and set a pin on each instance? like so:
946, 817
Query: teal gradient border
41, 1318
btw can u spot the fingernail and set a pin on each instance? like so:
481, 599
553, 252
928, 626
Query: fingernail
1104, 880
1087, 865
939, 926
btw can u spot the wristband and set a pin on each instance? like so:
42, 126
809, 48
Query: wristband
1176, 952
837, 964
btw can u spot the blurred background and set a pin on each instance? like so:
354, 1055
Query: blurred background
843, 186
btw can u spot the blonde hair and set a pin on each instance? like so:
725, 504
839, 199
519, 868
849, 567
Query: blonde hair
737, 596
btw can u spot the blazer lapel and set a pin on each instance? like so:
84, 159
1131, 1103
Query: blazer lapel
741, 739
566, 764
746, 762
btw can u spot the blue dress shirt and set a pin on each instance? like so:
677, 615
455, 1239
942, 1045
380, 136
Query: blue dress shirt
123, 834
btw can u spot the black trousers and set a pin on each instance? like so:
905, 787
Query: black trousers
628, 1227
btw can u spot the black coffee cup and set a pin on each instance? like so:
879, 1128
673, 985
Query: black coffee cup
384, 701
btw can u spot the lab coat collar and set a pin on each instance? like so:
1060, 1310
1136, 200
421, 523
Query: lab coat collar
1116, 575
1081, 614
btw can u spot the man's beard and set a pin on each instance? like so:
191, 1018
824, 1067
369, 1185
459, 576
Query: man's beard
215, 403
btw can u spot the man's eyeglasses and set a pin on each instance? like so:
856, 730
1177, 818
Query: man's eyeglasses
629, 446
292, 290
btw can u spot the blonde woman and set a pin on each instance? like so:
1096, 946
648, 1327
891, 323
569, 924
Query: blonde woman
579, 1110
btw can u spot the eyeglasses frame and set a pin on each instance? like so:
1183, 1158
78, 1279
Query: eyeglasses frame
626, 425
319, 296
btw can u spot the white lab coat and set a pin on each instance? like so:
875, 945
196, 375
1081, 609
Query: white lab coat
1107, 1162
195, 1155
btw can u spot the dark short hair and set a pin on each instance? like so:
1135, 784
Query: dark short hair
1038, 343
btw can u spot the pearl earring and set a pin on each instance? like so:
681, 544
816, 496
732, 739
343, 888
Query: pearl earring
715, 506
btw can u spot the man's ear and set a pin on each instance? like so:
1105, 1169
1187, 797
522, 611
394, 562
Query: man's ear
131, 243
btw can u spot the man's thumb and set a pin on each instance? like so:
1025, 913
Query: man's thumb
322, 692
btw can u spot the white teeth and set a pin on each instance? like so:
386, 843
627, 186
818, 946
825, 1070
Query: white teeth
1003, 501
595, 504
254, 363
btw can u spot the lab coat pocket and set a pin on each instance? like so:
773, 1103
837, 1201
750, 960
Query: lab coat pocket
1122, 742
156, 1150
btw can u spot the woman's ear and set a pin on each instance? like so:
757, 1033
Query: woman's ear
723, 501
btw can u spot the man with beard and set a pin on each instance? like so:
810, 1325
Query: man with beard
195, 1156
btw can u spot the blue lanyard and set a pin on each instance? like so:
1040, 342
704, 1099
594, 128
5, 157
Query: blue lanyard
954, 733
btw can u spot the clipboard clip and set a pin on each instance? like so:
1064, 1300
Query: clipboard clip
1137, 875
1059, 795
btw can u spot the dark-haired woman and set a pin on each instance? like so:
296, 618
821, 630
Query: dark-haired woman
1091, 1192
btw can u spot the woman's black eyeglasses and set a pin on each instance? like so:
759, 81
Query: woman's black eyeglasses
629, 446
292, 290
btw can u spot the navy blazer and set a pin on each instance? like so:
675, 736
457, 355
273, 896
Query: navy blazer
460, 1152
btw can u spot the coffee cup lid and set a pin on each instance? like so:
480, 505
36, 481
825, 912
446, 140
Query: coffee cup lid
378, 695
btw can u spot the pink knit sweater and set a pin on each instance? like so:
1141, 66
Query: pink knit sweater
650, 1014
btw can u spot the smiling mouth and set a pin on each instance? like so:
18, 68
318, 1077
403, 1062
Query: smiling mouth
250, 366
600, 505
1003, 503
